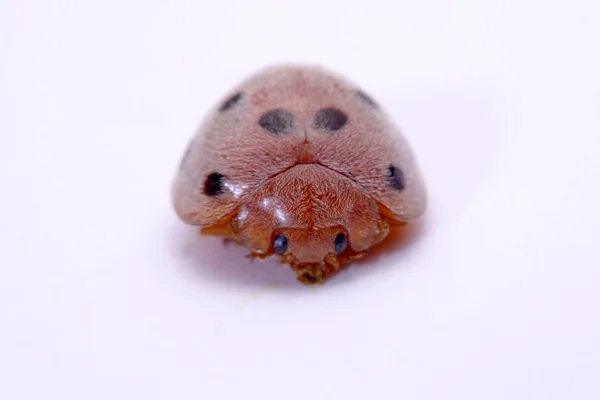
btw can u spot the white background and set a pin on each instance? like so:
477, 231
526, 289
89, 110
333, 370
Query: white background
104, 294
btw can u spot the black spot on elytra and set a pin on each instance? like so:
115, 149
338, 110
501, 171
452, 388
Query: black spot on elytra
366, 98
277, 122
330, 119
231, 101
396, 178
213, 185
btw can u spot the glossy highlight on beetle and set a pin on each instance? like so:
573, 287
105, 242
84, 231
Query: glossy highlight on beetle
300, 163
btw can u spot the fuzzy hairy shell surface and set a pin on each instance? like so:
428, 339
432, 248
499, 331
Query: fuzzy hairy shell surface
299, 162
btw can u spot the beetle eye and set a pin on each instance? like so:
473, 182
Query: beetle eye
280, 244
340, 243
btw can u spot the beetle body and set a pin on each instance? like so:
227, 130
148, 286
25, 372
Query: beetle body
298, 162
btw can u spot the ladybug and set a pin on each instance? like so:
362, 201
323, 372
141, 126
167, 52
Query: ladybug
300, 163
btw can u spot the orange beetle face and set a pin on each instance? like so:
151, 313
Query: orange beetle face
312, 216
299, 163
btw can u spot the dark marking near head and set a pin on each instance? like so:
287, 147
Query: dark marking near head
308, 277
213, 185
340, 242
329, 119
231, 101
366, 98
280, 244
277, 122
396, 178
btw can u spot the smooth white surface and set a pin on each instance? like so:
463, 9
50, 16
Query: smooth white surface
104, 294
